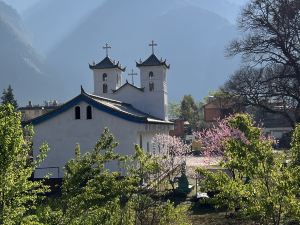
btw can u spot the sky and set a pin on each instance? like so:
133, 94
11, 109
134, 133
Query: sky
23, 5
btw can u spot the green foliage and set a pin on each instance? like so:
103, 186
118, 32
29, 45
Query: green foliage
18, 194
92, 194
296, 146
257, 184
174, 110
8, 97
190, 111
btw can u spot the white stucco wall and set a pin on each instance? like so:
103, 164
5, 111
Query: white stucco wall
157, 100
277, 132
154, 103
62, 132
114, 81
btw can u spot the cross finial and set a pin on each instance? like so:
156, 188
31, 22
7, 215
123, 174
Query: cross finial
106, 47
152, 44
132, 74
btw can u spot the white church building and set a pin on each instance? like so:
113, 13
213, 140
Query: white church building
133, 114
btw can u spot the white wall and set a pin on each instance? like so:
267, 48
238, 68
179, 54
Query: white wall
112, 78
277, 132
63, 132
157, 100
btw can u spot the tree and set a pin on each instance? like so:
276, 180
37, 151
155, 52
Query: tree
170, 152
260, 186
190, 111
174, 110
92, 194
18, 193
8, 97
270, 46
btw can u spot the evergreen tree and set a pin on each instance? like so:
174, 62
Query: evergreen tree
8, 97
190, 111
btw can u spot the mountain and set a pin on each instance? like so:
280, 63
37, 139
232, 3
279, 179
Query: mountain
223, 8
21, 6
50, 21
20, 65
193, 40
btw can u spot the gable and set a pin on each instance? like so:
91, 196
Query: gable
112, 107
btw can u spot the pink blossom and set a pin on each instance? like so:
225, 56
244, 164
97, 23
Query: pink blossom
213, 139
171, 151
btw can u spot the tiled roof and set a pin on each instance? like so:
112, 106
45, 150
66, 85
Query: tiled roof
107, 63
116, 108
153, 61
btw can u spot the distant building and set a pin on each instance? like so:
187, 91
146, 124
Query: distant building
275, 125
134, 114
30, 111
181, 128
219, 108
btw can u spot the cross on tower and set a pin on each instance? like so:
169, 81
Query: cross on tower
132, 74
106, 47
152, 44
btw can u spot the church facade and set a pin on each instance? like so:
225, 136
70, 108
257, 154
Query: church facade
133, 114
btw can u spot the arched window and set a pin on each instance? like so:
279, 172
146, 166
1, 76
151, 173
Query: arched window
104, 88
77, 113
89, 112
151, 75
104, 77
151, 86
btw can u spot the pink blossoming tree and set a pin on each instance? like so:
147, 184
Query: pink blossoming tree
170, 153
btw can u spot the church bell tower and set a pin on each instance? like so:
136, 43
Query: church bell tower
153, 76
107, 75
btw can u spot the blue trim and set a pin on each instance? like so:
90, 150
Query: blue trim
84, 97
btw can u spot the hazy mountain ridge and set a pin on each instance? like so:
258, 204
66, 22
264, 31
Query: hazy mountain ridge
193, 44
50, 21
191, 34
20, 64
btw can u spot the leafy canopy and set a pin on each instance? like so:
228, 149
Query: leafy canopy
255, 181
18, 194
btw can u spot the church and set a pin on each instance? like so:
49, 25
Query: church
133, 114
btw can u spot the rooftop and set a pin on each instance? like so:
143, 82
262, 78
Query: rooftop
116, 108
107, 63
153, 61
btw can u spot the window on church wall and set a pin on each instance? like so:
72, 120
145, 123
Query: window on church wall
104, 77
89, 115
104, 88
77, 113
151, 75
151, 86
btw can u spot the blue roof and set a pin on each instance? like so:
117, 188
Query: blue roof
113, 107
